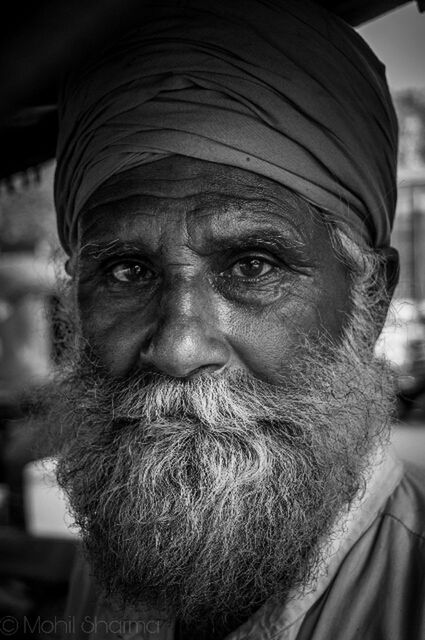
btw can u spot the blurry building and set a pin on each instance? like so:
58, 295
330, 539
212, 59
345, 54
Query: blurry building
402, 341
27, 288
27, 280
409, 229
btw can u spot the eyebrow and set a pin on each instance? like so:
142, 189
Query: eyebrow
103, 250
262, 238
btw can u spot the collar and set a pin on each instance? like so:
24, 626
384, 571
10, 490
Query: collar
284, 620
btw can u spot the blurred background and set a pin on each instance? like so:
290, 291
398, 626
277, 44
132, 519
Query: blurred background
41, 38
398, 38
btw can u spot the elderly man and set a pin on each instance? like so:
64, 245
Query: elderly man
225, 190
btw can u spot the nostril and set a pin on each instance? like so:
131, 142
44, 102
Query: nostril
208, 369
184, 348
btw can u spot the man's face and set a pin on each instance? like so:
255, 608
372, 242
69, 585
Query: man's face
188, 267
223, 407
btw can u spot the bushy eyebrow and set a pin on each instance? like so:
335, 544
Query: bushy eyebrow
254, 237
103, 250
262, 238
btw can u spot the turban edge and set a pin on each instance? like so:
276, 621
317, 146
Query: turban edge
279, 87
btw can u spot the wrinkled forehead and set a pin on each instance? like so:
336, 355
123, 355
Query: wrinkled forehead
209, 196
181, 177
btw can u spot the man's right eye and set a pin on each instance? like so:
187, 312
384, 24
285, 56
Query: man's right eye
131, 272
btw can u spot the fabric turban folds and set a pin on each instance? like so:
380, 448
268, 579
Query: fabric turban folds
282, 88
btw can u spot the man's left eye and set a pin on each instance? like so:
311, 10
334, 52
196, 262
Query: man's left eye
131, 272
251, 268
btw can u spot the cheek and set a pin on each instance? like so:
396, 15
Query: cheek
267, 343
269, 340
113, 332
334, 310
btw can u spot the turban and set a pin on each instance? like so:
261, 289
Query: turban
282, 88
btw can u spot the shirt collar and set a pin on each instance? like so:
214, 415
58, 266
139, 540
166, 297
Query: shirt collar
285, 619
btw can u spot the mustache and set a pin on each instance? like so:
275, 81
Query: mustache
234, 404
231, 422
211, 399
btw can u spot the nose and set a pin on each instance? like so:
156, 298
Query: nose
184, 340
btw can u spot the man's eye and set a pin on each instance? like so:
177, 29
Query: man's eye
251, 268
131, 272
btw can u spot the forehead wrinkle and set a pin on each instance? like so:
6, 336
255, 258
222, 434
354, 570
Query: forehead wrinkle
249, 217
215, 180
260, 206
123, 187
207, 182
143, 204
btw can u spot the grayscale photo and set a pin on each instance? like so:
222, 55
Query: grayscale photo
212, 320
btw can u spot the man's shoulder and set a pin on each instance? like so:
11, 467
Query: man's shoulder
406, 505
379, 589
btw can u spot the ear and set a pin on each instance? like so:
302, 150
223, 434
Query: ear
392, 269
391, 275
70, 266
